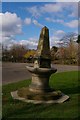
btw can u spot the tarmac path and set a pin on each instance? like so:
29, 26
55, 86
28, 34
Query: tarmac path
14, 72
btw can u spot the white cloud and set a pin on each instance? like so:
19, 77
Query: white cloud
35, 22
37, 11
74, 13
27, 21
60, 32
57, 35
72, 24
8, 41
54, 20
11, 24
31, 44
50, 8
57, 8
74, 10
34, 11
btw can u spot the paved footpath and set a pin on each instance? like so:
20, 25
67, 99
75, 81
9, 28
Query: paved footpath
14, 72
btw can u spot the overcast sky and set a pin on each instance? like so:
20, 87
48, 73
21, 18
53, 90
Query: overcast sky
22, 21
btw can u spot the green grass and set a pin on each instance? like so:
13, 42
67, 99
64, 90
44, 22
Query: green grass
67, 82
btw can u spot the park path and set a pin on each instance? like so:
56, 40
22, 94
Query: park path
14, 72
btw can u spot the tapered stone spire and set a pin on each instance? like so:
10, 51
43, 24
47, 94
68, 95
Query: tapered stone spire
43, 57
43, 48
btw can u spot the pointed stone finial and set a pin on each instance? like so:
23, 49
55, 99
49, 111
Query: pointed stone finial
43, 57
43, 48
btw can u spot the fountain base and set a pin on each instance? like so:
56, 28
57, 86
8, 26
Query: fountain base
24, 94
39, 90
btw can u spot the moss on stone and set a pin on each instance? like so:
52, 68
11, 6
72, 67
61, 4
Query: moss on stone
25, 93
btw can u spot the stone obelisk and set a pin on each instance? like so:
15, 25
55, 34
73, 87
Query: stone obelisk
42, 56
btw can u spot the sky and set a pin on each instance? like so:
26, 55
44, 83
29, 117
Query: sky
22, 21
41, 0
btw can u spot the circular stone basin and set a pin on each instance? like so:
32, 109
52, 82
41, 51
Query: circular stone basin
40, 79
41, 70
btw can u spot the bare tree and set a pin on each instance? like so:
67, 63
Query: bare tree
17, 52
68, 54
78, 41
53, 50
14, 54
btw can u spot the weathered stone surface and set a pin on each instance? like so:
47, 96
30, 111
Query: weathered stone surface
43, 49
61, 99
40, 79
42, 56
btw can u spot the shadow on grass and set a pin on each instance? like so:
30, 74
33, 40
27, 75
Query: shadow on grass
70, 90
38, 111
31, 110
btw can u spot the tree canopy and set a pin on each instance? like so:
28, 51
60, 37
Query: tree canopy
78, 41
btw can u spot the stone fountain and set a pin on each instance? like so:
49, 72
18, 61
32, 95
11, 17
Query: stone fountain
39, 90
42, 65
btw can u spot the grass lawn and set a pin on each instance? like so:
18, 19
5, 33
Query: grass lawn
67, 82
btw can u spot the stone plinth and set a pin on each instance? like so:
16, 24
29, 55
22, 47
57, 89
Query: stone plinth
59, 100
